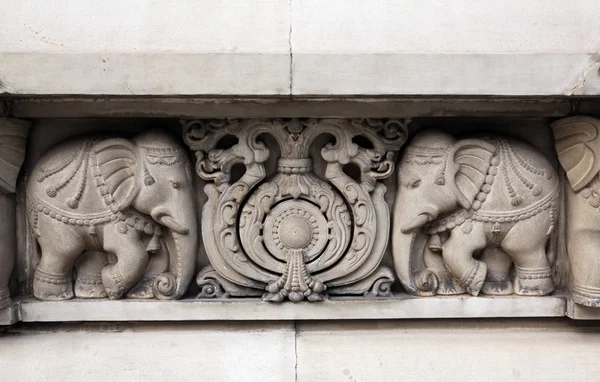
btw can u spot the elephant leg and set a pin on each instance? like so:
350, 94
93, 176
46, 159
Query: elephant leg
525, 243
432, 257
458, 252
132, 259
582, 246
88, 283
61, 246
497, 282
158, 264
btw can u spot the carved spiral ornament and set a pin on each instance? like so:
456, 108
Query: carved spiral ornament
292, 233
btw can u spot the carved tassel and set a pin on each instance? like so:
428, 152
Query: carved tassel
93, 231
153, 245
496, 228
435, 244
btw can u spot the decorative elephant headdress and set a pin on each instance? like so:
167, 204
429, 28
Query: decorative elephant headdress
466, 161
118, 160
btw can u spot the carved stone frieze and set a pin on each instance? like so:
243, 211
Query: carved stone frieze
13, 139
577, 142
128, 203
313, 225
489, 196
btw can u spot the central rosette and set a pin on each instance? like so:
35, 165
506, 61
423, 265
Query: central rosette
295, 232
295, 225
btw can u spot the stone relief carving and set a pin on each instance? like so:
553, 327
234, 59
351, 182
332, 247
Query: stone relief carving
299, 233
13, 139
121, 211
578, 147
491, 196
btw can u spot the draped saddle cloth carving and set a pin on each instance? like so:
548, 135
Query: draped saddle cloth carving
298, 233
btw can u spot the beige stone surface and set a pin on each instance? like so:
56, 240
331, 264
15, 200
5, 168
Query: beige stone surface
401, 307
105, 352
145, 47
468, 350
300, 47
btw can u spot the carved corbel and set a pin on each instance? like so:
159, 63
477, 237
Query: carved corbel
300, 232
13, 139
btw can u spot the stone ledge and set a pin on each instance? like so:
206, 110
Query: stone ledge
399, 307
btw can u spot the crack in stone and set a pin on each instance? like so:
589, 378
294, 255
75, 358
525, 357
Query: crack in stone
581, 79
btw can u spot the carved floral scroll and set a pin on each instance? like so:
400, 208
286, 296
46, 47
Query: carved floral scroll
297, 233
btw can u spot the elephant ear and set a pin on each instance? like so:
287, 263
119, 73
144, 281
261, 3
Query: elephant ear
577, 146
116, 162
470, 160
13, 137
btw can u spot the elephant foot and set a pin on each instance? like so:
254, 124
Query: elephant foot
142, 289
4, 298
114, 284
473, 280
533, 282
587, 296
89, 288
49, 286
448, 286
497, 287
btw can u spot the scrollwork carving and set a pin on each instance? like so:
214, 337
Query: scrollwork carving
294, 234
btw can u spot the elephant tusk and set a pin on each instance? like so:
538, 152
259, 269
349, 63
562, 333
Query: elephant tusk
417, 222
170, 223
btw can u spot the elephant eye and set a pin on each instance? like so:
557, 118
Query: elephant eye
176, 185
415, 183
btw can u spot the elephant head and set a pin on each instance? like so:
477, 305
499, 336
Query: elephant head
437, 175
151, 174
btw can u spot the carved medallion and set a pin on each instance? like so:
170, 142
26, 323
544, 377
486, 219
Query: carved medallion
293, 233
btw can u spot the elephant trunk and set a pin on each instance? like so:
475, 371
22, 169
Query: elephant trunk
408, 244
181, 239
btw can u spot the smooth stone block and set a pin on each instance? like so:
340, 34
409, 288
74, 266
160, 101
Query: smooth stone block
144, 73
510, 47
508, 350
449, 74
145, 47
399, 307
184, 352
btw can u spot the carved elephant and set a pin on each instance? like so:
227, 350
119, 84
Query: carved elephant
125, 197
486, 196
13, 137
578, 147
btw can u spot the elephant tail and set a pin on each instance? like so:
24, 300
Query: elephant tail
552, 236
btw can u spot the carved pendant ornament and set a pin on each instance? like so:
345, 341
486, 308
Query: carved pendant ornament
295, 234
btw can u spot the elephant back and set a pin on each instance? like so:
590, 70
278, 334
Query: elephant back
520, 178
62, 182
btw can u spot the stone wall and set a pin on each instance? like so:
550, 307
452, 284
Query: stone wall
299, 190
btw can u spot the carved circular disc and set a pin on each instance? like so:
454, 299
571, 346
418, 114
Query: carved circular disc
295, 225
